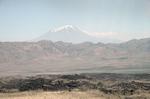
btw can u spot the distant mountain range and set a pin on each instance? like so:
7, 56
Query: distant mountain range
62, 57
69, 33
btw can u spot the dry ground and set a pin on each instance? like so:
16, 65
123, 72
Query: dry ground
69, 95
57, 95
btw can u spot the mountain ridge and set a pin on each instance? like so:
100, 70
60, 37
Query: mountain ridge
74, 34
49, 57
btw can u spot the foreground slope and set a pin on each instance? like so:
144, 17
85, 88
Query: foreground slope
77, 86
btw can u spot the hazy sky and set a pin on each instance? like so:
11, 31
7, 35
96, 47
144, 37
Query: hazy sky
118, 19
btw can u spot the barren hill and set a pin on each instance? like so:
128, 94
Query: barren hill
61, 57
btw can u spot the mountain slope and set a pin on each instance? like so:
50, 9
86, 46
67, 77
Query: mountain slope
51, 57
69, 33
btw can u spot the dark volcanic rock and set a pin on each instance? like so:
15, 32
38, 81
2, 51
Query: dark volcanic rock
71, 82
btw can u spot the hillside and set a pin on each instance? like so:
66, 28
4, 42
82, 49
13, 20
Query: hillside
55, 57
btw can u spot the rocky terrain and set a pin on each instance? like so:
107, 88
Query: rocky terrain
123, 84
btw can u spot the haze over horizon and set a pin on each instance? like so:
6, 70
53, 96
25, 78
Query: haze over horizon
23, 20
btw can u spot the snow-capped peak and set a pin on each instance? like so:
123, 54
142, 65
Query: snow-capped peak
65, 28
68, 26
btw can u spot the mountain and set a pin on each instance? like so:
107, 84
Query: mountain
61, 57
69, 33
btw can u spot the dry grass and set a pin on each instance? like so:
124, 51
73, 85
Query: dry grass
67, 95
144, 95
57, 95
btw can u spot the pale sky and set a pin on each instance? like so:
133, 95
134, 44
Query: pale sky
119, 19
